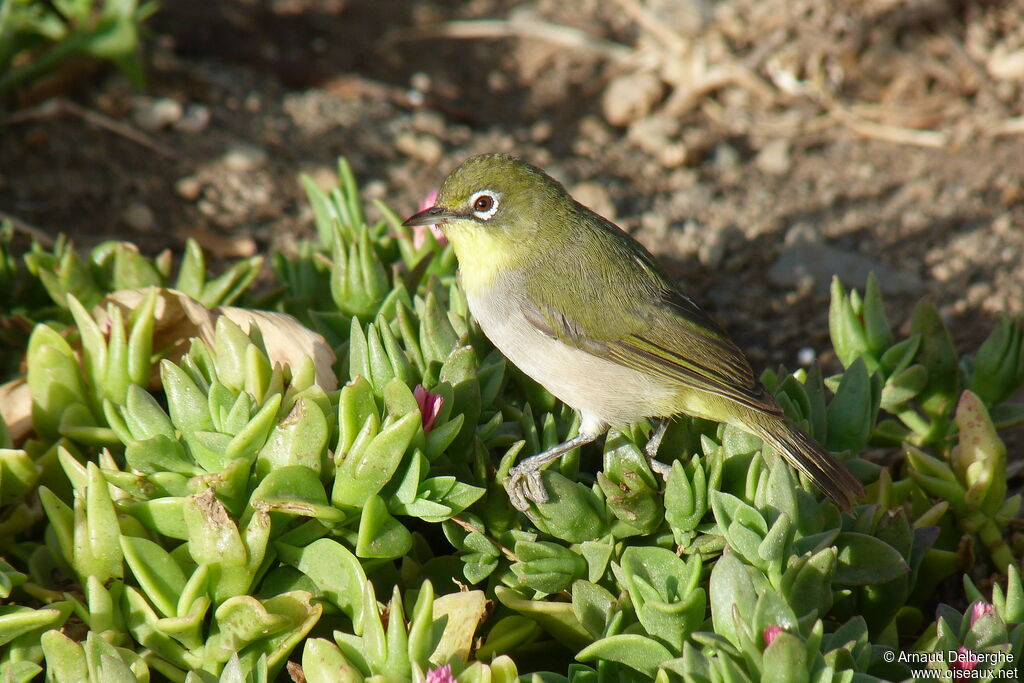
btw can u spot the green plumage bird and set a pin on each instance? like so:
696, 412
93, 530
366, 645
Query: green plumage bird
584, 309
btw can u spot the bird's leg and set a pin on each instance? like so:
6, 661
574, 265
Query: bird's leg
524, 483
651, 449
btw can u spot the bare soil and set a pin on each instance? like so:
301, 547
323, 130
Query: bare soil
756, 146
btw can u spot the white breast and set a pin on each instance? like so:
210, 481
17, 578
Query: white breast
605, 393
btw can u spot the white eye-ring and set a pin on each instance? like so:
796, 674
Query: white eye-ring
484, 203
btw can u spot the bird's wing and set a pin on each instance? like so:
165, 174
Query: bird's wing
671, 338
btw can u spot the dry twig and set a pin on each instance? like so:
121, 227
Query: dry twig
58, 106
565, 36
887, 132
1010, 126
28, 229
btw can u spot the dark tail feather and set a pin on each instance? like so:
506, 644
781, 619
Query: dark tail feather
808, 456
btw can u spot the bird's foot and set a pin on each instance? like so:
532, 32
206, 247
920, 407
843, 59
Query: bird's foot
659, 468
525, 485
651, 450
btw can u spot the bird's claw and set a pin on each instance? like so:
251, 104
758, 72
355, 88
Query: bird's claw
651, 451
660, 468
525, 485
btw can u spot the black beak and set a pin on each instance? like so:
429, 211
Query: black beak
431, 216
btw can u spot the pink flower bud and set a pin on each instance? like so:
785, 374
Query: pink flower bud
980, 609
429, 404
418, 231
965, 660
442, 674
771, 632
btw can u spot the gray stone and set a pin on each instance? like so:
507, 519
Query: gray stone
807, 260
716, 243
725, 157
195, 119
139, 217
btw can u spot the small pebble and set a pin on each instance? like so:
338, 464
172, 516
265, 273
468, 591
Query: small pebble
1004, 65
716, 243
725, 157
188, 188
195, 119
428, 121
593, 195
631, 97
774, 158
243, 156
139, 217
324, 177
375, 189
658, 136
153, 115
806, 355
541, 131
425, 148
655, 222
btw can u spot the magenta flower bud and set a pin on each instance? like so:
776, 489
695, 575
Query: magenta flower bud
418, 235
429, 404
771, 632
980, 609
442, 674
965, 660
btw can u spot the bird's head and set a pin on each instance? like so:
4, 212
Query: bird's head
493, 197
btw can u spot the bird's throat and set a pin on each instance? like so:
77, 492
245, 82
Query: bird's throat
482, 257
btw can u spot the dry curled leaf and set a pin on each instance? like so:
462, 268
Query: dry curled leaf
179, 318
16, 408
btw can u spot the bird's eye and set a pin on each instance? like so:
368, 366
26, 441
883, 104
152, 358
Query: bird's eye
484, 203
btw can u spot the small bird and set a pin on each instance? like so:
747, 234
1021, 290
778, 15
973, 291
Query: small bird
585, 310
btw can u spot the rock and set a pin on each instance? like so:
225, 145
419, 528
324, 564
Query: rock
594, 130
541, 131
593, 195
188, 188
725, 157
654, 222
428, 121
195, 119
153, 115
631, 97
375, 189
324, 177
715, 243
806, 260
688, 239
688, 19
658, 136
774, 158
244, 156
425, 148
139, 217
1004, 65
709, 244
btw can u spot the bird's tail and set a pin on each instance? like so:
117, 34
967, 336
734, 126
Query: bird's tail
808, 456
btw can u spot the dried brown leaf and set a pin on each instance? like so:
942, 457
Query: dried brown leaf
16, 408
179, 318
